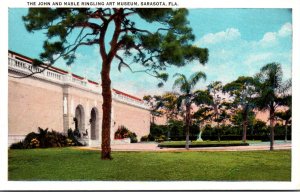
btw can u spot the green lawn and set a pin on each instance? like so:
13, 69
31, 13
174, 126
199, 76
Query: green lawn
75, 164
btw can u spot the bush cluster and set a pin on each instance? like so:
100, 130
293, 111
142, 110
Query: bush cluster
257, 131
122, 132
175, 131
46, 139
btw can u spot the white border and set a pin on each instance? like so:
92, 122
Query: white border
180, 3
295, 184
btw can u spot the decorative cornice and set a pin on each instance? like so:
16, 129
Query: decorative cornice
24, 67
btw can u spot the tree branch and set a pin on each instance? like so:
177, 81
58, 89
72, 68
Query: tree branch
93, 26
133, 30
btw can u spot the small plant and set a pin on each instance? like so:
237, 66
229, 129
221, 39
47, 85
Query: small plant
161, 138
34, 143
70, 142
123, 132
145, 138
133, 137
18, 145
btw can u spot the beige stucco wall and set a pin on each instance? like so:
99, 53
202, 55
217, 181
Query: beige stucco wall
33, 104
135, 119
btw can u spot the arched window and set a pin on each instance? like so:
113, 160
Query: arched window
94, 122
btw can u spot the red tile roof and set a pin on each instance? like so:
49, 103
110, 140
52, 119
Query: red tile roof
127, 95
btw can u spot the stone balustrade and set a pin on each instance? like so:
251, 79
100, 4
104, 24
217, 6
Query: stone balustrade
26, 68
130, 101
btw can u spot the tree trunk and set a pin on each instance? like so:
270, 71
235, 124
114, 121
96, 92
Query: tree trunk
218, 130
187, 129
285, 135
106, 82
218, 123
272, 112
245, 129
106, 107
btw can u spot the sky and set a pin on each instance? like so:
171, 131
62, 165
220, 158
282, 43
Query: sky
240, 42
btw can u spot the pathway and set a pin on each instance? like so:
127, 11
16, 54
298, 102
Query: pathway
153, 147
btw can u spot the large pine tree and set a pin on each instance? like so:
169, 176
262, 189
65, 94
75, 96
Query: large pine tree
167, 41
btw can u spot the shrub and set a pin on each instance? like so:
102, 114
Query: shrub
55, 139
74, 139
122, 132
157, 130
177, 130
145, 138
18, 145
29, 137
46, 139
151, 137
133, 137
161, 138
34, 143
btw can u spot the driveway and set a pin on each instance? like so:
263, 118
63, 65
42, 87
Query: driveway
279, 145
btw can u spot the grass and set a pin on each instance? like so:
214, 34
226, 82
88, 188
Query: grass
181, 144
74, 164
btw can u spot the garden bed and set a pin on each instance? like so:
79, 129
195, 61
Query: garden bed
181, 144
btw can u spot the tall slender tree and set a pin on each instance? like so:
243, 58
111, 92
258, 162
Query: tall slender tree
203, 100
286, 115
215, 89
243, 92
187, 97
271, 90
115, 30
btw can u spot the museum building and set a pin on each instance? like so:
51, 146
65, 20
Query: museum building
58, 100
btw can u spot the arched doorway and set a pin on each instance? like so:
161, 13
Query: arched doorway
79, 119
94, 122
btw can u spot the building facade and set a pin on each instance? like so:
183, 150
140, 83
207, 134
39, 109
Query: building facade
59, 100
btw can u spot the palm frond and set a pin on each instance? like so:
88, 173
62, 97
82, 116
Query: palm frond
181, 82
196, 77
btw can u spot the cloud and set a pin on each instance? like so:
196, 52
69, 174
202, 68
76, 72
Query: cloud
231, 56
234, 56
285, 30
258, 57
227, 35
269, 37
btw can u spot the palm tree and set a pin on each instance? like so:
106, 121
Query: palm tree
271, 90
186, 87
286, 115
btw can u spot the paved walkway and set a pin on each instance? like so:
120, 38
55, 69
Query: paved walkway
153, 147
